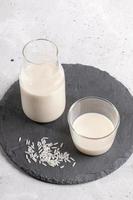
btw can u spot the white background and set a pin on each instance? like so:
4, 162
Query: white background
98, 33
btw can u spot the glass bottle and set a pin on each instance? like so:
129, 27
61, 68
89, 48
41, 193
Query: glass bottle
42, 82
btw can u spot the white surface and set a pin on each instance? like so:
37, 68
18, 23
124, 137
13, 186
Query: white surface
94, 32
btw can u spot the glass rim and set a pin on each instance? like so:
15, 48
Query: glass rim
96, 98
35, 40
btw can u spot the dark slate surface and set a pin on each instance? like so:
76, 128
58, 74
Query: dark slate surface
81, 81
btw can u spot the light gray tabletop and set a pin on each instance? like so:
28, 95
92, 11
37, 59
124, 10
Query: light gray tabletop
97, 33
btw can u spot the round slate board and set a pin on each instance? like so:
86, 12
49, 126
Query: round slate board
81, 81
